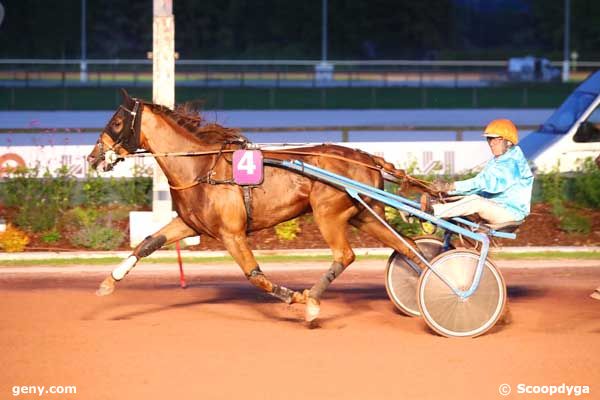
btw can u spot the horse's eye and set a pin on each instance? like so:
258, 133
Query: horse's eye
117, 124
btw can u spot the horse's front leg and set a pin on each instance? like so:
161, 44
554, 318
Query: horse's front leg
170, 233
237, 245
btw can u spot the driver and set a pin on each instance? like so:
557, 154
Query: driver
501, 192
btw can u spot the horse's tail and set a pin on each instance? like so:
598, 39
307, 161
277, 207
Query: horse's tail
388, 169
399, 176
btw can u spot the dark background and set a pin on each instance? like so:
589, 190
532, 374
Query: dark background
279, 29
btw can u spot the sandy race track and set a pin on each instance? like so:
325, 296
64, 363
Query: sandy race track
222, 339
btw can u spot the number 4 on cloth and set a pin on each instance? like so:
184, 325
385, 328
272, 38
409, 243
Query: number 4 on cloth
247, 167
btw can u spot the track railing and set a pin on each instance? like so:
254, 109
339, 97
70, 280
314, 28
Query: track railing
266, 73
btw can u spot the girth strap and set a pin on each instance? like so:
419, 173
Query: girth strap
247, 191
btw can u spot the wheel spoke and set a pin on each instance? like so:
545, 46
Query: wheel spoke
448, 314
402, 279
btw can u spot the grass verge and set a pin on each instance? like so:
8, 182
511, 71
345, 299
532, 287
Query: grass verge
549, 255
168, 260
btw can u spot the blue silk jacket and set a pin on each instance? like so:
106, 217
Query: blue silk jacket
506, 180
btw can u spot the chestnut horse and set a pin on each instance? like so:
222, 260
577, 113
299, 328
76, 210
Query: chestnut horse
208, 203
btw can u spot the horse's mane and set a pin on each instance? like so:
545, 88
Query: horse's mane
188, 116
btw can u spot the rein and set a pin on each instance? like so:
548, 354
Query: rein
419, 182
207, 178
205, 153
130, 139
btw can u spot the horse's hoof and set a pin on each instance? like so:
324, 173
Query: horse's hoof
596, 294
106, 287
312, 309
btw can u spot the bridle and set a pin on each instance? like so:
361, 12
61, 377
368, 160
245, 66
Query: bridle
128, 138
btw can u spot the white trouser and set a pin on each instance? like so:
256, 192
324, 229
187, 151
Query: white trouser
492, 212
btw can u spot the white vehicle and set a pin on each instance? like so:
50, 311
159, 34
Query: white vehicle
532, 69
571, 134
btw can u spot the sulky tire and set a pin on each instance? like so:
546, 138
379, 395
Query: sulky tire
448, 314
402, 275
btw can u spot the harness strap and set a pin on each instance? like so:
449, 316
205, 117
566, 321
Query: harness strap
203, 153
178, 153
419, 182
186, 186
247, 194
247, 190
379, 168
334, 156
131, 142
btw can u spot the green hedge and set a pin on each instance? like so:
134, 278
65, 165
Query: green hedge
40, 198
102, 98
47, 202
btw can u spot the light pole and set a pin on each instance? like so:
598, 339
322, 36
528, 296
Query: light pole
324, 32
83, 62
163, 91
565, 69
1, 13
323, 70
143, 223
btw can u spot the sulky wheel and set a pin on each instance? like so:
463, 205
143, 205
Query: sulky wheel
448, 314
402, 275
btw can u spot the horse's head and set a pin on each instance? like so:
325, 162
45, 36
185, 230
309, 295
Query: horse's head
120, 137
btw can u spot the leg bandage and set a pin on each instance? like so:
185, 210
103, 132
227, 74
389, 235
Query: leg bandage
150, 245
123, 268
282, 293
257, 278
334, 271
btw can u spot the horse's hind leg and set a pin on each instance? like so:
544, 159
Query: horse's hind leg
366, 222
170, 233
237, 245
333, 230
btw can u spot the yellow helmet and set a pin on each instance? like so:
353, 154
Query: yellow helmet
503, 128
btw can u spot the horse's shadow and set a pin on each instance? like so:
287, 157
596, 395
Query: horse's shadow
355, 300
224, 295
524, 292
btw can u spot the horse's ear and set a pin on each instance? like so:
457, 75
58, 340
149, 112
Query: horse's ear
125, 96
